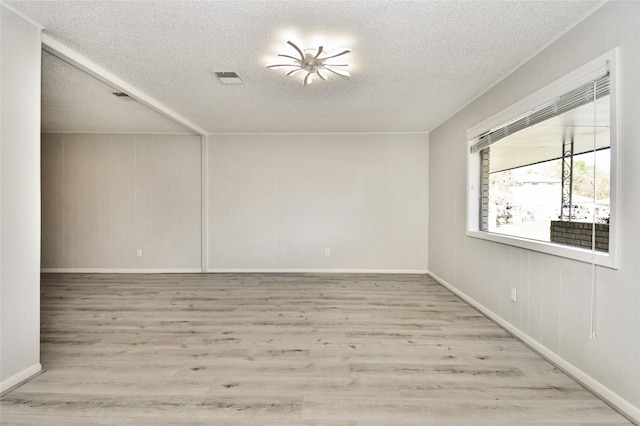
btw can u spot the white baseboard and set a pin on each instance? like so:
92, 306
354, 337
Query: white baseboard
20, 377
313, 271
120, 270
229, 271
620, 404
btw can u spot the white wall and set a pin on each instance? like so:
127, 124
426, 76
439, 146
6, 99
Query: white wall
19, 199
276, 202
107, 195
553, 309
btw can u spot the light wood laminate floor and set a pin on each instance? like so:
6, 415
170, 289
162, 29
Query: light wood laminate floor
283, 350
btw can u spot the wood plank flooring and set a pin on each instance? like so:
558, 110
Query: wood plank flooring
210, 349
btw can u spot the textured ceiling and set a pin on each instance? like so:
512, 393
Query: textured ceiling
73, 101
413, 63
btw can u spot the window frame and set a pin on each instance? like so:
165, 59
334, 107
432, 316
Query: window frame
590, 70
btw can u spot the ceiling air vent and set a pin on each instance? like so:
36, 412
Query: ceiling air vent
122, 95
228, 77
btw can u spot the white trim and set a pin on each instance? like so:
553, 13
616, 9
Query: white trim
314, 271
576, 253
120, 270
420, 132
592, 69
20, 377
228, 271
79, 61
617, 402
204, 203
83, 132
23, 16
615, 181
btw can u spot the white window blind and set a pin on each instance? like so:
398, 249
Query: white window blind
582, 95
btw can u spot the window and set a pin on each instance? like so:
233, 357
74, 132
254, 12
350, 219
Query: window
542, 173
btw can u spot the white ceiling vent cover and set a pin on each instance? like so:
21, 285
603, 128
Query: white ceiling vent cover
228, 77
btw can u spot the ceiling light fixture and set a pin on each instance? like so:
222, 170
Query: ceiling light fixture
312, 63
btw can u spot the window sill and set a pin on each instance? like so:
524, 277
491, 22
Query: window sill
582, 255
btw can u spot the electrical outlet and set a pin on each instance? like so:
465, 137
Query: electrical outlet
514, 295
327, 252
139, 252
